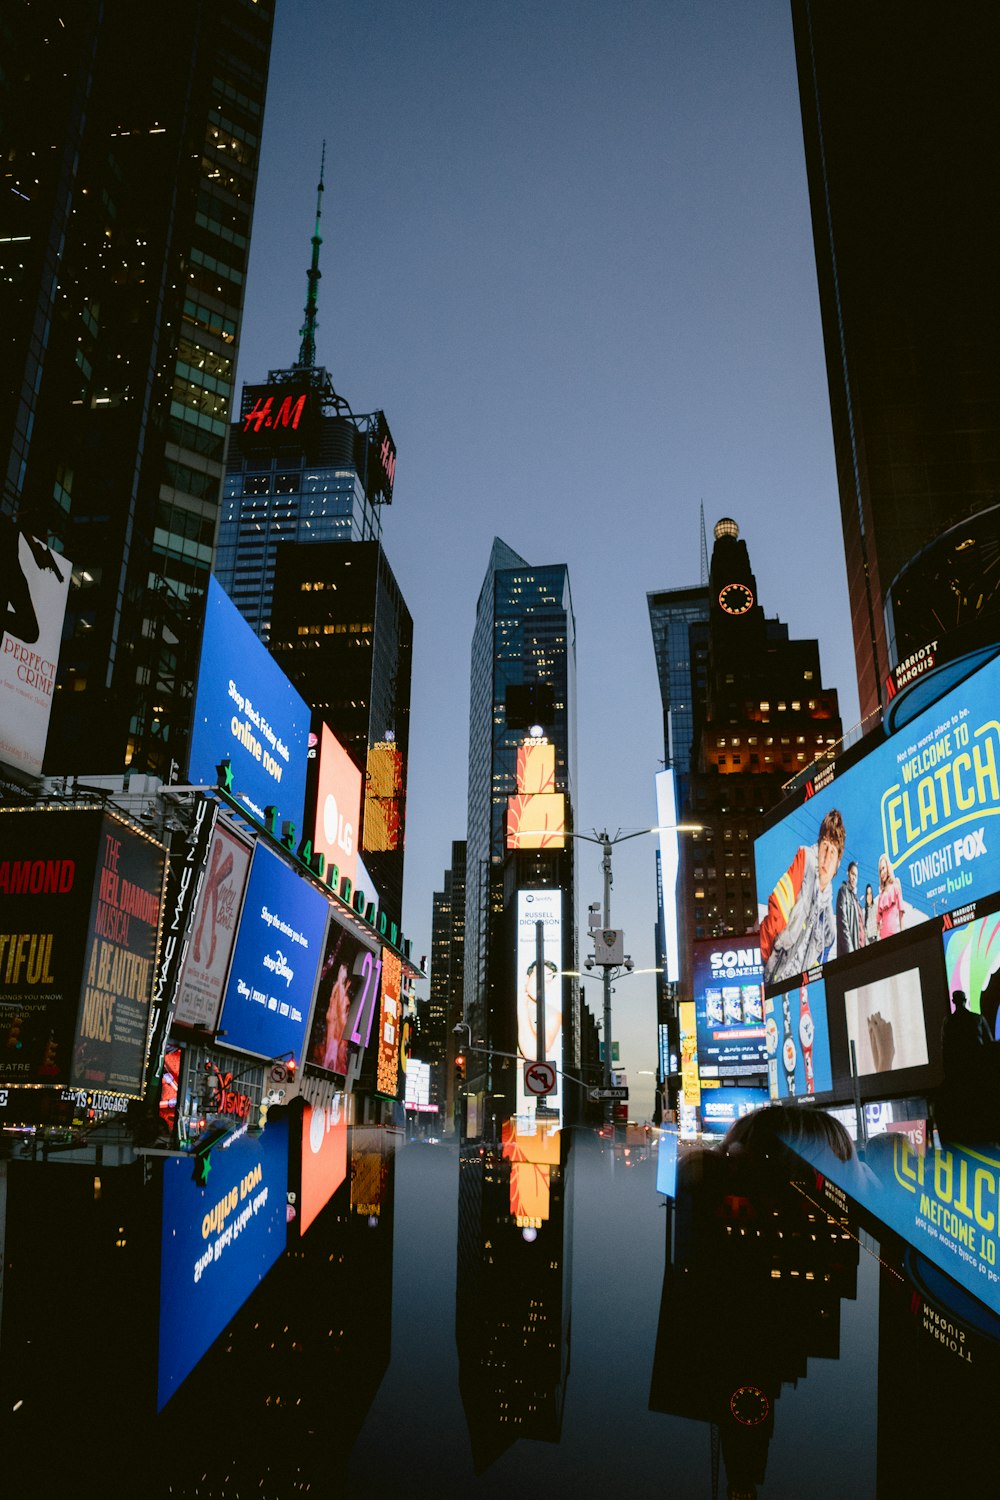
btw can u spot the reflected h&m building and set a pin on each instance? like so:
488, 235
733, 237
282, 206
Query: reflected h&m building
124, 241
519, 867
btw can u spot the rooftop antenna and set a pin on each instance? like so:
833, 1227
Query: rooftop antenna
704, 547
307, 349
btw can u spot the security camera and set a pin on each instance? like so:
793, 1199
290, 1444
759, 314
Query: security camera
629, 965
588, 963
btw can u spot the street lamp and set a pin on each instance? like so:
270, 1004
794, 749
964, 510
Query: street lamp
606, 844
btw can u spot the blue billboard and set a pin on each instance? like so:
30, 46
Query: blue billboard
798, 1042
247, 712
278, 950
218, 1242
729, 1008
903, 835
721, 1108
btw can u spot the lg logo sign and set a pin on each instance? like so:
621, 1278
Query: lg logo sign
337, 831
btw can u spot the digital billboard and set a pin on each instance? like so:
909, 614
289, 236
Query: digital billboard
324, 1157
338, 806
535, 769
536, 820
80, 896
532, 1154
536, 906
384, 797
721, 1108
218, 1242
972, 958
666, 822
247, 712
346, 1000
278, 946
36, 588
885, 1021
798, 1041
202, 978
915, 816
390, 1016
729, 1007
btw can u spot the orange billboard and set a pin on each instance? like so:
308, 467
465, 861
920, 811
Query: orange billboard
536, 767
387, 1073
384, 798
536, 820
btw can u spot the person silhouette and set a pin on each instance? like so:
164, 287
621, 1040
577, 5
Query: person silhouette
963, 1034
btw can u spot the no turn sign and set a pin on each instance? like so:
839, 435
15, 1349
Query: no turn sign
539, 1078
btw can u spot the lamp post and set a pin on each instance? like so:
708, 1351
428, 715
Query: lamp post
606, 844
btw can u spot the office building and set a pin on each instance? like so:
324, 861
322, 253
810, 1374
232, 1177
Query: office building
901, 140
523, 699
447, 986
130, 165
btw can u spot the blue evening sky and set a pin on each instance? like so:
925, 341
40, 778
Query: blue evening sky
567, 249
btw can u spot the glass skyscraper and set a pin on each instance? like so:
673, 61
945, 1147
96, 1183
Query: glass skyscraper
523, 684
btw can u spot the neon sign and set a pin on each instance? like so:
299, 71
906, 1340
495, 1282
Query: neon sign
269, 417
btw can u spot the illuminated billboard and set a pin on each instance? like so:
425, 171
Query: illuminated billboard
324, 1157
202, 978
532, 1154
729, 1007
390, 1016
915, 817
536, 821
972, 958
278, 946
247, 712
338, 806
543, 906
218, 1243
721, 1108
384, 798
536, 767
36, 588
666, 822
81, 897
798, 1042
346, 1000
885, 1021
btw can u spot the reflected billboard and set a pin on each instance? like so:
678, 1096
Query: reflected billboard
972, 958
247, 712
278, 946
324, 1156
721, 1108
536, 906
915, 816
218, 1242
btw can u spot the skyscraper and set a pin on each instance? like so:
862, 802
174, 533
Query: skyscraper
130, 164
901, 141
447, 984
523, 689
304, 475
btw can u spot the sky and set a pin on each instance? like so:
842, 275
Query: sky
567, 250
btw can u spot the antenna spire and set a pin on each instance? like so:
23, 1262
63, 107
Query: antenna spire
307, 349
704, 548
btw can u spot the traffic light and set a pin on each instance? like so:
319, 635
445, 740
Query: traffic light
460, 1068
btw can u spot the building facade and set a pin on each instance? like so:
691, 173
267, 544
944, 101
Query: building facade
124, 239
523, 688
901, 139
447, 985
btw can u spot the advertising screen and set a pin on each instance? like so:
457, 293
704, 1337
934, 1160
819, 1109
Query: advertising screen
729, 1007
798, 1042
915, 817
885, 1021
346, 1000
213, 931
218, 1242
324, 1157
721, 1108
536, 767
666, 820
36, 588
387, 1074
247, 712
971, 960
278, 947
536, 820
533, 907
338, 806
384, 798
80, 896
